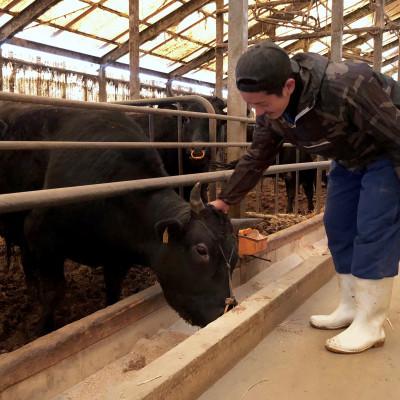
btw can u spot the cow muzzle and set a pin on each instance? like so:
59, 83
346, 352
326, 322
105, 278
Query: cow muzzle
196, 154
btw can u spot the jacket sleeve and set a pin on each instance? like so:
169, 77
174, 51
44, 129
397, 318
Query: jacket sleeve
373, 111
260, 155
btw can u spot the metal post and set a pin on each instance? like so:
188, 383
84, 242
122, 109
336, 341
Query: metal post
180, 161
276, 187
237, 44
102, 84
151, 127
318, 188
134, 42
219, 51
296, 192
379, 23
337, 30
398, 61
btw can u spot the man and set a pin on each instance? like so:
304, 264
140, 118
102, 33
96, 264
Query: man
349, 113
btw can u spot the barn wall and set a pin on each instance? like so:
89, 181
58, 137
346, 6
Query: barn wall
42, 80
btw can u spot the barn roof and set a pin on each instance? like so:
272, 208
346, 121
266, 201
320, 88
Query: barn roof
178, 37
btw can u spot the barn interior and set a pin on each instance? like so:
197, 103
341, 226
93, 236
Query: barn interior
128, 51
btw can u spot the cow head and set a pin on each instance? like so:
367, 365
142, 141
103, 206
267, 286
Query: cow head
195, 262
197, 130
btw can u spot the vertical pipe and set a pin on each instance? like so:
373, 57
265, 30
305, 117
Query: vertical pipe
276, 187
180, 160
151, 127
237, 44
1, 68
398, 61
296, 186
219, 51
134, 83
337, 30
379, 23
102, 84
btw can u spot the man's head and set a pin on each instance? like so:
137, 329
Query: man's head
264, 78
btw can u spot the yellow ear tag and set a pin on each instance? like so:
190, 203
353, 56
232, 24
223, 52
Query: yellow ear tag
165, 236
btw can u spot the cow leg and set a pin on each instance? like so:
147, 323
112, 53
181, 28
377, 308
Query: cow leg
51, 290
44, 263
290, 184
307, 182
113, 277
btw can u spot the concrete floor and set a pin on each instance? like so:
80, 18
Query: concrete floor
291, 363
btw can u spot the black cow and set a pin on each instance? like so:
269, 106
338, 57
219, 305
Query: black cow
189, 246
194, 160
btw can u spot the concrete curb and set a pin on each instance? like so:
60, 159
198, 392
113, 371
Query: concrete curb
190, 368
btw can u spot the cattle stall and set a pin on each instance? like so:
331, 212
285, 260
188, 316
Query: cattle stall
139, 347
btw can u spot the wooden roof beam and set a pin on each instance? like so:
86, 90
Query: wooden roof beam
154, 30
210, 54
25, 17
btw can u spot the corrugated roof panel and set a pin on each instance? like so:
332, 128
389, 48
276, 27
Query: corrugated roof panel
177, 48
155, 63
171, 8
204, 31
5, 3
22, 5
65, 11
65, 40
151, 44
124, 38
120, 6
102, 24
202, 75
4, 19
197, 53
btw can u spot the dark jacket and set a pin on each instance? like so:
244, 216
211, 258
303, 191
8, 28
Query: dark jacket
346, 112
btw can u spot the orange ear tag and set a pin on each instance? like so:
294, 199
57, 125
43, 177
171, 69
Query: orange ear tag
165, 236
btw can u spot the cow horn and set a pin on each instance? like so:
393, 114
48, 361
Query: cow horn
196, 204
241, 223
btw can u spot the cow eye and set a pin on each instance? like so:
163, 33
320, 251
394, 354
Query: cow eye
202, 249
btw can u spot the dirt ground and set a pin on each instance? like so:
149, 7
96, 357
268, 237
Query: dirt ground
85, 292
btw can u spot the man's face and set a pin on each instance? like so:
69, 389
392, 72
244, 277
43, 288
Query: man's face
270, 104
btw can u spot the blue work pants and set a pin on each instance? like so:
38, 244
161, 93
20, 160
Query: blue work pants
362, 220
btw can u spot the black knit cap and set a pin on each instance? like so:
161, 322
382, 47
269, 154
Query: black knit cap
263, 67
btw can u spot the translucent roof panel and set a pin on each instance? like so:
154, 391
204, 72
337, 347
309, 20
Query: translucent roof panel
64, 12
66, 40
97, 27
102, 24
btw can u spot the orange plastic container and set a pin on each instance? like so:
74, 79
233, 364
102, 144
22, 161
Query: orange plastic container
251, 241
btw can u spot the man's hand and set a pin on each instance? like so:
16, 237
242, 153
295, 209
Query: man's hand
220, 205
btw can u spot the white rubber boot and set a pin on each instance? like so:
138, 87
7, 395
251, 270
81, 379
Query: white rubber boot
366, 331
344, 314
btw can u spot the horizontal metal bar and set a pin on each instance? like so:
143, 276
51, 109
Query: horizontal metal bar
112, 107
278, 169
48, 145
12, 202
45, 145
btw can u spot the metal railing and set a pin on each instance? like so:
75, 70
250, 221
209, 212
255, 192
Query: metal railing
21, 201
12, 202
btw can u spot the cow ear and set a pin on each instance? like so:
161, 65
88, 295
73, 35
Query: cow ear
168, 229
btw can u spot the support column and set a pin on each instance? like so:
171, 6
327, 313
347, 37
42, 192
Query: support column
134, 83
102, 84
219, 52
237, 44
337, 30
379, 23
398, 61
